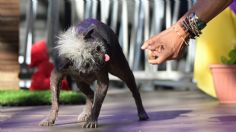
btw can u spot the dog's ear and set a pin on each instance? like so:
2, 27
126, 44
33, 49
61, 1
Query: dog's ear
94, 31
88, 33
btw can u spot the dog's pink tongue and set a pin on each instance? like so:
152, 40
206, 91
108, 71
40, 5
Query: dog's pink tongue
106, 57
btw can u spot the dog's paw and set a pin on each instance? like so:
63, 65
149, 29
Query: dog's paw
90, 124
84, 116
143, 116
46, 122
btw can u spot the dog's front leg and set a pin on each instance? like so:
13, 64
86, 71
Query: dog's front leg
55, 85
85, 88
100, 93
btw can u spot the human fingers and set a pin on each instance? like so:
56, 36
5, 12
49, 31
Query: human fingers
151, 55
150, 42
159, 59
146, 44
154, 46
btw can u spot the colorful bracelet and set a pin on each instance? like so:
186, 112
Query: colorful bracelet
193, 25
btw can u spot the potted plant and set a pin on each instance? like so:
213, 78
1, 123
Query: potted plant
224, 78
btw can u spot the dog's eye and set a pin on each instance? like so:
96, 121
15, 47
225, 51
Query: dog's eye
98, 48
87, 65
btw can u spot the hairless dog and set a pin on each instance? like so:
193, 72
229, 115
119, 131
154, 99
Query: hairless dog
87, 53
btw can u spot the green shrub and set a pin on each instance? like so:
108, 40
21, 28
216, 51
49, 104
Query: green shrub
32, 98
231, 60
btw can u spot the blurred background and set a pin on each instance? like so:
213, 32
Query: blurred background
133, 21
170, 91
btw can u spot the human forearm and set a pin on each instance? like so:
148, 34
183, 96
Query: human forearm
201, 13
208, 9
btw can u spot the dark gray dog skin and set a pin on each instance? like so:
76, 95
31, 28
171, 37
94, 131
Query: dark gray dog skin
88, 52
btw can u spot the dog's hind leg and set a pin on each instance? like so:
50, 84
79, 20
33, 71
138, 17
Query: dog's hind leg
123, 71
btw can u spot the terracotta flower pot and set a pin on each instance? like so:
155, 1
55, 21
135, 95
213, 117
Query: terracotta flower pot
224, 77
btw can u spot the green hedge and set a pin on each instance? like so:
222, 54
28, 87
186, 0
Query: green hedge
32, 98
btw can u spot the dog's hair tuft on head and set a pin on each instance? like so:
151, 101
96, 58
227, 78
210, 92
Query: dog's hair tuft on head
85, 54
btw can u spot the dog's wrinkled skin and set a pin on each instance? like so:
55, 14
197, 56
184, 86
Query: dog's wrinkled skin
82, 54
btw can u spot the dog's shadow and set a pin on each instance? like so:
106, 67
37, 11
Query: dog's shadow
225, 119
167, 115
122, 119
128, 119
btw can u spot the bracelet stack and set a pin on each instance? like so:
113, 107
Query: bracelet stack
193, 25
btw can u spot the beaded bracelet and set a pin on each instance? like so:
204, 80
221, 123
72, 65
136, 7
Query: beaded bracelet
193, 25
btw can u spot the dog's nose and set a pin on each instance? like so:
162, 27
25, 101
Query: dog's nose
81, 72
87, 65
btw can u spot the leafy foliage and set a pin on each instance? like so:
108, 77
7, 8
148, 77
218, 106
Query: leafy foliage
231, 60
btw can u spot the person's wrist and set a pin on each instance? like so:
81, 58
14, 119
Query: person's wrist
182, 34
181, 30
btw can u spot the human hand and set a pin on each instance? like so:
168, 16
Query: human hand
167, 45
